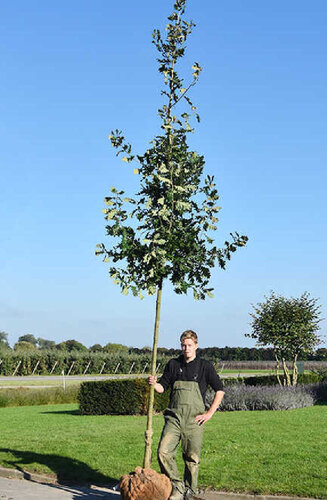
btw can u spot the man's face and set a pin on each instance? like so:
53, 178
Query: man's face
189, 348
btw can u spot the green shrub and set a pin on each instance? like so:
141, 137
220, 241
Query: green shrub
118, 397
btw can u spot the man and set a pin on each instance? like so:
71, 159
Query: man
188, 376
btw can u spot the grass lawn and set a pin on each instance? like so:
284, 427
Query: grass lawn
265, 452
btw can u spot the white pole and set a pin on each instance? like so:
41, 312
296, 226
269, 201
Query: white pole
70, 369
87, 368
131, 368
63, 380
18, 365
117, 367
146, 364
102, 368
158, 367
37, 364
54, 366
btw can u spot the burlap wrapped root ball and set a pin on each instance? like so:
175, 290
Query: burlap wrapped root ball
145, 484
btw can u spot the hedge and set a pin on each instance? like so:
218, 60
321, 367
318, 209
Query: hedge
118, 397
130, 397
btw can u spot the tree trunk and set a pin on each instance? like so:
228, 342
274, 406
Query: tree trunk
295, 371
149, 432
277, 369
287, 379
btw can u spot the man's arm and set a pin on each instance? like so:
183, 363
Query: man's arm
157, 387
202, 419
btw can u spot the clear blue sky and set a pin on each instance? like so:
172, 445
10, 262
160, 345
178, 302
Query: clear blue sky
71, 72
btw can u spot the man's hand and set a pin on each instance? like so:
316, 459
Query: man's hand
202, 419
152, 380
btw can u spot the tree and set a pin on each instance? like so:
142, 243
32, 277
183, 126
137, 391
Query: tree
174, 210
115, 348
22, 345
71, 345
29, 337
290, 326
46, 344
96, 348
4, 340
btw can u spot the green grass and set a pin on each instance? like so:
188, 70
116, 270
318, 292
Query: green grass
37, 383
282, 452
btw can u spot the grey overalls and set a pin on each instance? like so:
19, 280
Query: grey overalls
186, 402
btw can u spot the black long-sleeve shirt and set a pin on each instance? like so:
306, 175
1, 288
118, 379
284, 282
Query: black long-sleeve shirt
199, 370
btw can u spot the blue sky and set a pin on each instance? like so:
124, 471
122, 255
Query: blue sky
71, 72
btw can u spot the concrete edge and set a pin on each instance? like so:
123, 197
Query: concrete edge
29, 476
205, 495
216, 495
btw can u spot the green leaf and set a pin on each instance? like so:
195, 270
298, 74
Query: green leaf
124, 158
136, 171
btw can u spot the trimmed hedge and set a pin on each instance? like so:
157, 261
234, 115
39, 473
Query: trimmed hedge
118, 397
130, 397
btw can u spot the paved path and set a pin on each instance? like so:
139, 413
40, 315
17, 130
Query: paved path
20, 489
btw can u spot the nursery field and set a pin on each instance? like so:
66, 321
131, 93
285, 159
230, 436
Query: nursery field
278, 452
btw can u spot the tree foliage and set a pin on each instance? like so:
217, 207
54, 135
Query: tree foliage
29, 337
4, 340
23, 345
289, 325
176, 209
71, 345
46, 344
115, 348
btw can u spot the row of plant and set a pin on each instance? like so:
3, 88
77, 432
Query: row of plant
45, 362
74, 363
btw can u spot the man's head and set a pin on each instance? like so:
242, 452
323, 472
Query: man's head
189, 344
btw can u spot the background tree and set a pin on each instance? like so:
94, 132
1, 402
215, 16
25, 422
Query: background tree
115, 348
96, 348
24, 346
175, 209
29, 337
46, 344
71, 345
290, 326
4, 344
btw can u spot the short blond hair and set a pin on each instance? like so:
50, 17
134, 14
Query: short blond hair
189, 334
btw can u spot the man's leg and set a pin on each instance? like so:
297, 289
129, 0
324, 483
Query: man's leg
191, 446
170, 438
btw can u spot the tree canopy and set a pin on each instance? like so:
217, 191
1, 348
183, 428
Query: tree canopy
29, 337
289, 325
